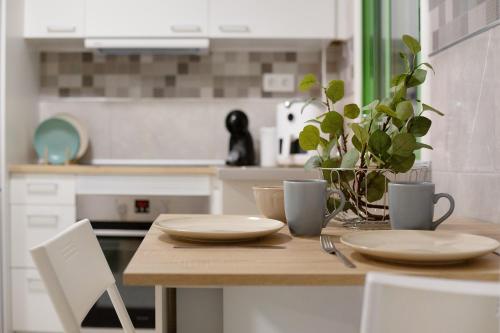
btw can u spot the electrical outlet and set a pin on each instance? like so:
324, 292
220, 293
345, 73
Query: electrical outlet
272, 82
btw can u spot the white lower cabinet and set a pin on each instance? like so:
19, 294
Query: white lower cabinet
32, 310
32, 224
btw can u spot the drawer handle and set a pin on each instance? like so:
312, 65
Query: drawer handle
42, 188
56, 28
234, 28
36, 285
186, 28
42, 221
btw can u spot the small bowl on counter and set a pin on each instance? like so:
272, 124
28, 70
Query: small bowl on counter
270, 201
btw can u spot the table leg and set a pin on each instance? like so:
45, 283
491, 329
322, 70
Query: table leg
165, 310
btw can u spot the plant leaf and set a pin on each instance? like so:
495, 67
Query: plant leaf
419, 145
417, 78
328, 149
379, 142
333, 123
335, 90
371, 106
356, 143
402, 163
361, 133
312, 163
314, 121
404, 110
412, 44
387, 110
419, 126
399, 91
323, 142
350, 159
351, 111
403, 144
426, 107
327, 174
376, 186
309, 138
396, 79
308, 81
397, 122
426, 64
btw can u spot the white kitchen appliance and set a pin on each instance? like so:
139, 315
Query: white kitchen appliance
290, 120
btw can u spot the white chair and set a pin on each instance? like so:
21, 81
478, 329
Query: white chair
396, 303
75, 273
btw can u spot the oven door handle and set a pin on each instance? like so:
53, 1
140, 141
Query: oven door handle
120, 233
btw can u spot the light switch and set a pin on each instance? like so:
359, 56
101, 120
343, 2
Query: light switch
272, 82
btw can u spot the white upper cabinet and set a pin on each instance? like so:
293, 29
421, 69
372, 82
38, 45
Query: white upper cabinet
217, 19
54, 18
146, 18
280, 19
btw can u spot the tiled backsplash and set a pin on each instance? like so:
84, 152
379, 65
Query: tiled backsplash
175, 129
466, 141
454, 19
218, 74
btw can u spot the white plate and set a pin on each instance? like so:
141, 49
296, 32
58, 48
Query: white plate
219, 228
419, 246
82, 132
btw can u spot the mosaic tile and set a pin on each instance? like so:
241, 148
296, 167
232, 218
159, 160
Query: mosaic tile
215, 75
452, 20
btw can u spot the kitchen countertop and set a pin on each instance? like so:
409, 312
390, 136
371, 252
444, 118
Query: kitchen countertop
264, 173
302, 262
81, 169
224, 173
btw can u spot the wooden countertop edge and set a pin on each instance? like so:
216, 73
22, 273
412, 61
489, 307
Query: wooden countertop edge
356, 279
111, 170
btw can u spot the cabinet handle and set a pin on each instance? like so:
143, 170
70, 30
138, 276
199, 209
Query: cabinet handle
42, 188
60, 28
234, 28
185, 28
36, 285
42, 221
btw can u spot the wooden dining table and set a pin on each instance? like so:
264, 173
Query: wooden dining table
284, 260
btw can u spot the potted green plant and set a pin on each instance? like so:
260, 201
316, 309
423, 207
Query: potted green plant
358, 148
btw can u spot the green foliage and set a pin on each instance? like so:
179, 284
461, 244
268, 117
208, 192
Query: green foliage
351, 111
335, 90
308, 81
309, 138
380, 135
419, 126
333, 123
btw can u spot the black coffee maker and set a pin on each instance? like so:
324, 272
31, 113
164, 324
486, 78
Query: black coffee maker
241, 150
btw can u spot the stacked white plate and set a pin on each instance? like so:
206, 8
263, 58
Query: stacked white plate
82, 132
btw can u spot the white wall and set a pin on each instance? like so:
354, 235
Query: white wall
18, 105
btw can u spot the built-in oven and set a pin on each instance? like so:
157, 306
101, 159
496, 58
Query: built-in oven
119, 240
120, 224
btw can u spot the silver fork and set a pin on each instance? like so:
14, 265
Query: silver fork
328, 246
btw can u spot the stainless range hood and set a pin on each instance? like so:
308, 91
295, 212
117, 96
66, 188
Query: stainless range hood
149, 45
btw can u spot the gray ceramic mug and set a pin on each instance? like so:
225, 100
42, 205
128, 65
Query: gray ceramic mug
305, 206
411, 206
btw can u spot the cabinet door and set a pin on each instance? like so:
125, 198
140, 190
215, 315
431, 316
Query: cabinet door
294, 19
54, 18
32, 309
32, 225
42, 189
146, 18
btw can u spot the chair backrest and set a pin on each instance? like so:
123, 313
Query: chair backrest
396, 303
76, 273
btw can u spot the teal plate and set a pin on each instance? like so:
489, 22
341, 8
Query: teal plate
57, 140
